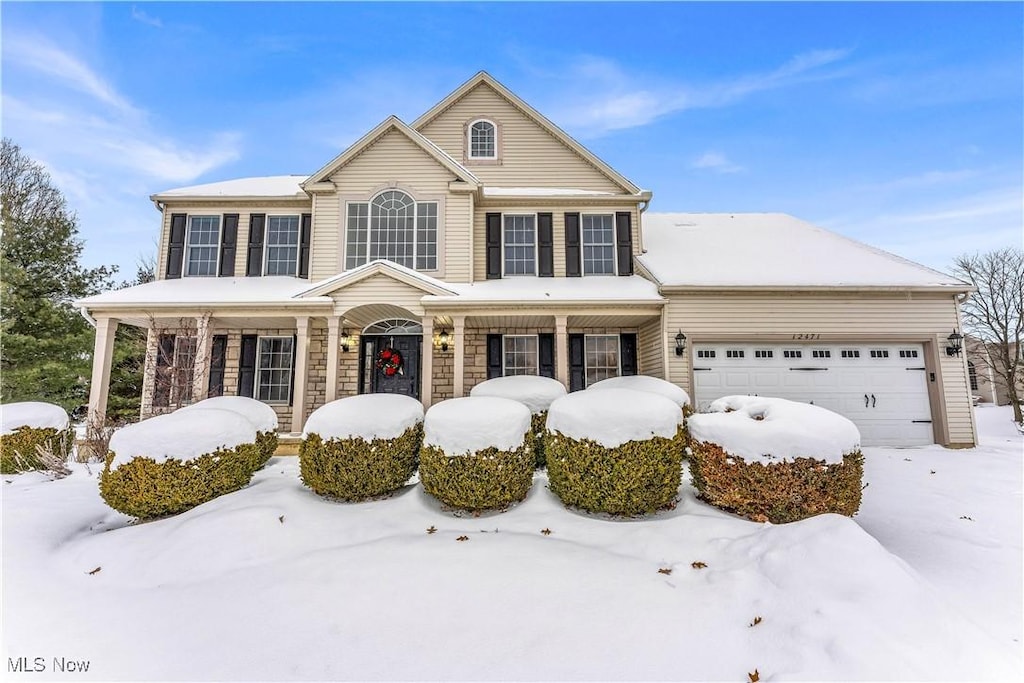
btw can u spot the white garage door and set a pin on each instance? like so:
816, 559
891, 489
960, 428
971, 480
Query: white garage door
882, 388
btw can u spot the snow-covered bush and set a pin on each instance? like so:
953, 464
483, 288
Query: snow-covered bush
262, 417
774, 460
476, 452
362, 446
614, 451
31, 427
170, 463
536, 393
657, 386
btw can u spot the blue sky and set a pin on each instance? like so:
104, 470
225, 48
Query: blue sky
895, 124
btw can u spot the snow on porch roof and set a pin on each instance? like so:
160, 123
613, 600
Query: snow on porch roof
610, 288
266, 186
207, 290
770, 250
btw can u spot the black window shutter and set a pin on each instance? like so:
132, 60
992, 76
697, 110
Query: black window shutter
545, 245
254, 258
493, 246
546, 350
627, 353
305, 233
577, 365
247, 366
218, 352
572, 245
624, 241
495, 368
162, 376
228, 240
176, 246
291, 387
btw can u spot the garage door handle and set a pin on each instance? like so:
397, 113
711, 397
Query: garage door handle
921, 421
872, 400
866, 400
810, 369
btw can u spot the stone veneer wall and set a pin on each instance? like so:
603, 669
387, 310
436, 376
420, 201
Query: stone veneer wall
443, 382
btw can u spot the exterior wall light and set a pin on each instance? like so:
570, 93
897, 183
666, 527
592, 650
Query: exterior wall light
954, 345
680, 343
345, 340
442, 339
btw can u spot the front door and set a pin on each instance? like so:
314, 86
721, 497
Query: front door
401, 377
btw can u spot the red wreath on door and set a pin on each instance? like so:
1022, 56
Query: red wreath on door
389, 361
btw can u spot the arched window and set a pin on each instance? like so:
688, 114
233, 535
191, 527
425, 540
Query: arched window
483, 140
392, 226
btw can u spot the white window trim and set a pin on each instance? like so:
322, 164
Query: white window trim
615, 248
504, 337
259, 368
618, 354
536, 245
469, 157
438, 270
266, 245
188, 247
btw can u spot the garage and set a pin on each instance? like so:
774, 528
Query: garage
882, 388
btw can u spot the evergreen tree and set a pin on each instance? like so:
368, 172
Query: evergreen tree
45, 344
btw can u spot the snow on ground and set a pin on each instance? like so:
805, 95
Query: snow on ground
274, 583
366, 416
35, 414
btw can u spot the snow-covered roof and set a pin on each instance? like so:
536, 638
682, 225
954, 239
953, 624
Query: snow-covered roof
286, 186
540, 289
202, 290
542, 192
769, 250
430, 285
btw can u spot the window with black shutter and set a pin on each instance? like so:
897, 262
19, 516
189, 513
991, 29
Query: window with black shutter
546, 353
254, 255
624, 242
247, 366
577, 362
493, 246
545, 245
305, 236
627, 353
218, 354
163, 376
176, 246
572, 245
494, 359
228, 242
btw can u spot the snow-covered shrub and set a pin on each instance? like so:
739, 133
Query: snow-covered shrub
536, 393
657, 386
774, 460
33, 432
362, 446
262, 417
170, 463
614, 451
476, 452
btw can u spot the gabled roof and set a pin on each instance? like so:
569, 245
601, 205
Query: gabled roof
485, 78
771, 251
277, 187
396, 124
424, 283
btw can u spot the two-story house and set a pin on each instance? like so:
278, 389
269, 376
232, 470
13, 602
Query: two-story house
481, 240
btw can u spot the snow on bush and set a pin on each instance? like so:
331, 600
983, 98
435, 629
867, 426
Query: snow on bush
476, 454
644, 383
181, 435
361, 447
28, 427
536, 393
262, 417
614, 451
775, 460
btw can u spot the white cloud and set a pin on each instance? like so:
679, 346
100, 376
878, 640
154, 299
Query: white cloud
717, 162
141, 17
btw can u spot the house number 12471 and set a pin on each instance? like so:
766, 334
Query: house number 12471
807, 335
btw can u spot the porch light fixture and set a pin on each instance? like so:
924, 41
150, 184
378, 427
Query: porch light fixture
954, 345
344, 340
680, 343
442, 339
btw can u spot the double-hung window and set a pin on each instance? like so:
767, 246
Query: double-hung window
483, 140
274, 369
520, 244
202, 246
519, 354
392, 226
598, 244
601, 357
282, 252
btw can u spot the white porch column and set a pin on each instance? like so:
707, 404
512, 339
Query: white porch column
301, 355
458, 339
562, 349
201, 364
331, 391
102, 355
427, 361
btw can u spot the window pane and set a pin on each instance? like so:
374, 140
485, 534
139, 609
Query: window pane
426, 236
282, 245
392, 228
481, 140
520, 236
202, 245
601, 357
520, 354
275, 369
356, 234
598, 234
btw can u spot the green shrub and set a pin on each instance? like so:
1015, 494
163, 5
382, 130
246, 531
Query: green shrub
486, 480
778, 492
638, 477
19, 452
538, 432
357, 469
146, 489
267, 445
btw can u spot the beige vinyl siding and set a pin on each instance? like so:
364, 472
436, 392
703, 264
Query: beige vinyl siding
835, 317
529, 155
326, 243
651, 348
243, 210
558, 226
394, 161
379, 291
